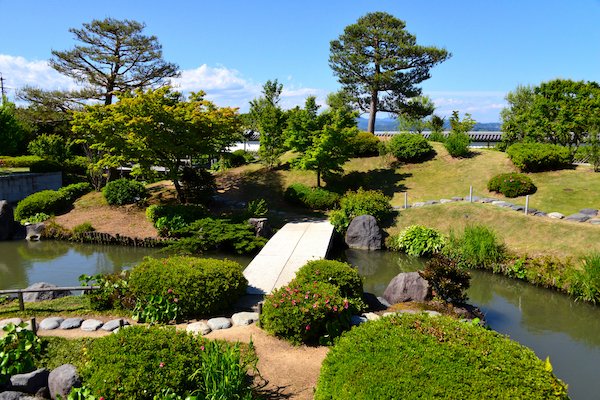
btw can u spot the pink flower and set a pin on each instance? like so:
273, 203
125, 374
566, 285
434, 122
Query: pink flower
175, 300
334, 308
101, 398
275, 305
293, 302
346, 304
308, 327
201, 348
315, 305
162, 364
170, 291
306, 297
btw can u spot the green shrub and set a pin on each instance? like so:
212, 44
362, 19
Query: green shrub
457, 144
478, 247
18, 162
449, 282
57, 351
437, 136
312, 198
82, 228
361, 202
43, 166
47, 201
150, 361
511, 185
216, 234
417, 240
535, 157
187, 212
77, 165
205, 286
113, 291
37, 218
410, 147
585, 283
75, 190
305, 312
53, 147
340, 274
197, 185
157, 309
124, 191
420, 357
18, 349
248, 156
257, 209
364, 144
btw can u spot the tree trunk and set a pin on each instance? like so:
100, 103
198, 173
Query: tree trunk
318, 178
373, 111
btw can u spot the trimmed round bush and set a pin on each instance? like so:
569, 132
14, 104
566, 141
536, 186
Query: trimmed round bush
361, 202
511, 185
144, 362
205, 286
422, 357
312, 198
123, 191
457, 144
75, 190
306, 312
417, 240
535, 157
364, 144
410, 147
337, 273
47, 201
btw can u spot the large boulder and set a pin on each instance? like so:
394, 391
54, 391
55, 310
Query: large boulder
41, 296
62, 379
407, 286
30, 382
7, 220
364, 233
261, 227
34, 231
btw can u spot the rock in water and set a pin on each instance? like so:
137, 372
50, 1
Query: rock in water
364, 234
407, 286
41, 296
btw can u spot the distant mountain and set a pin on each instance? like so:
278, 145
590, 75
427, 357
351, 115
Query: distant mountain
391, 124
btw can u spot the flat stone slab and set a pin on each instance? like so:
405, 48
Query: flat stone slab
500, 203
219, 323
578, 217
14, 321
51, 323
432, 313
91, 325
431, 202
487, 200
594, 221
71, 323
517, 208
592, 212
244, 318
540, 214
371, 316
446, 201
474, 200
418, 204
457, 198
198, 328
114, 324
555, 215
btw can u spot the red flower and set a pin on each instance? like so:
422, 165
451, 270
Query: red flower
162, 364
170, 291
308, 327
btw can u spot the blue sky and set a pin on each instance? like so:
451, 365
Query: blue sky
230, 48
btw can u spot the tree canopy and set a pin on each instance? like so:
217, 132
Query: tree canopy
156, 127
12, 132
114, 56
380, 64
560, 111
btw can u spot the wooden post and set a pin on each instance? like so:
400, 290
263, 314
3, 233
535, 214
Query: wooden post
470, 194
21, 302
526, 204
33, 326
405, 200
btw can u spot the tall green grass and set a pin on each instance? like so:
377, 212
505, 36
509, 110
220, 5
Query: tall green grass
477, 247
585, 283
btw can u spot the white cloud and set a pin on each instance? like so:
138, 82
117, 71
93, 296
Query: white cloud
484, 106
19, 72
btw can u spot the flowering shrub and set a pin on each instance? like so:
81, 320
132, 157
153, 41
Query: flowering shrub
342, 275
304, 312
511, 185
113, 291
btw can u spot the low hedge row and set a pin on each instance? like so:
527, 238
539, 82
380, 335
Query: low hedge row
50, 201
421, 357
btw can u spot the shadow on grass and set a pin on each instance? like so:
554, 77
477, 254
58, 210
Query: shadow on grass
387, 181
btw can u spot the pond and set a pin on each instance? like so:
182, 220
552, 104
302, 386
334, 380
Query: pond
546, 321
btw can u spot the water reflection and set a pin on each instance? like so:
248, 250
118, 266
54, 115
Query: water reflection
550, 323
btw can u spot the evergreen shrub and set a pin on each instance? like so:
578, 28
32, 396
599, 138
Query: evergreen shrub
448, 280
422, 357
457, 144
410, 147
46, 201
124, 191
364, 144
206, 287
312, 198
75, 190
511, 185
536, 157
361, 202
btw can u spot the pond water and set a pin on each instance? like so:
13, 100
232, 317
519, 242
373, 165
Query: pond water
546, 321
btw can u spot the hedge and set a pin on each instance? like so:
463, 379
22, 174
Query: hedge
422, 357
205, 286
535, 157
47, 201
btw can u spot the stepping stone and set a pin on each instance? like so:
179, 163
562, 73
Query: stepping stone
51, 323
592, 212
398, 208
71, 323
488, 200
244, 318
356, 320
517, 208
91, 325
446, 201
556, 215
578, 217
594, 221
408, 312
198, 328
418, 204
372, 316
114, 324
431, 202
15, 321
475, 198
501, 203
219, 323
540, 214
456, 198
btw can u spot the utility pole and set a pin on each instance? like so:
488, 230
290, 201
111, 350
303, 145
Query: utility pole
2, 87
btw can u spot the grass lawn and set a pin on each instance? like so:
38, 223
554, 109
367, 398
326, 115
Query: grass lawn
70, 306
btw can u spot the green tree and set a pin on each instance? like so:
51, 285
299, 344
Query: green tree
436, 124
415, 122
114, 56
458, 126
156, 127
322, 140
267, 117
560, 111
12, 132
380, 64
457, 142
